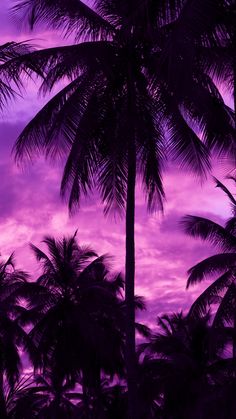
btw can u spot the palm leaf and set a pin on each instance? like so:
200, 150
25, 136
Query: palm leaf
225, 312
225, 190
211, 265
201, 304
208, 230
73, 17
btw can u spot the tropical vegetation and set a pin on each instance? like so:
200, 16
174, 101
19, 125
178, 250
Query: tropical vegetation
141, 87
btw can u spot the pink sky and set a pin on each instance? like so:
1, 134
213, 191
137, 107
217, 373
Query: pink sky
30, 207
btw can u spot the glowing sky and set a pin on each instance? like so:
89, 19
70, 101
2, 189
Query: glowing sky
30, 207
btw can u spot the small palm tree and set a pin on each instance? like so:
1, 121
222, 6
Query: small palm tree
76, 313
40, 397
222, 291
12, 336
109, 403
181, 357
136, 87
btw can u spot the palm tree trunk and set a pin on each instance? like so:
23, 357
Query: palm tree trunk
234, 76
91, 386
234, 336
85, 389
131, 364
234, 94
234, 70
3, 412
234, 341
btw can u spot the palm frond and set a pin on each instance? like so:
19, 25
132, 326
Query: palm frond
112, 173
112, 180
225, 312
37, 137
211, 265
231, 224
203, 17
10, 84
205, 105
95, 270
225, 190
42, 257
81, 164
208, 230
143, 330
201, 305
217, 63
75, 17
184, 145
150, 144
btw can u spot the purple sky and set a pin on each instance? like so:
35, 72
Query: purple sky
30, 207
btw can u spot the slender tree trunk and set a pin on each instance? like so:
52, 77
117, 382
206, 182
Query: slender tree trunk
131, 363
86, 396
91, 386
234, 75
234, 341
234, 94
234, 336
3, 412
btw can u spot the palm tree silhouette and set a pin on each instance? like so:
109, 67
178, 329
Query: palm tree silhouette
137, 75
54, 398
37, 396
76, 313
42, 396
182, 358
109, 403
222, 291
12, 336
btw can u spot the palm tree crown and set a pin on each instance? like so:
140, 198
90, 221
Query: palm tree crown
74, 307
12, 336
182, 358
222, 291
123, 83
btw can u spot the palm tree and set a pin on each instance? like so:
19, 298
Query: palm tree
12, 336
45, 398
109, 403
182, 358
40, 397
53, 398
76, 313
222, 291
124, 95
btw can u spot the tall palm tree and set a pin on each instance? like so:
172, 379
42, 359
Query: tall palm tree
76, 313
12, 336
125, 93
222, 291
